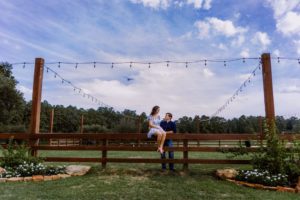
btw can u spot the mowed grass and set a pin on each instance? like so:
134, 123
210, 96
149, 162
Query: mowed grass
138, 181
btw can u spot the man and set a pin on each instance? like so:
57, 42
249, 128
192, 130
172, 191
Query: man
170, 127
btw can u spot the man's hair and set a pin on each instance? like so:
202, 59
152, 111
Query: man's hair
169, 114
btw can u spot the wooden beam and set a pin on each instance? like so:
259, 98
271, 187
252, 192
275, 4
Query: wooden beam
36, 96
36, 100
268, 87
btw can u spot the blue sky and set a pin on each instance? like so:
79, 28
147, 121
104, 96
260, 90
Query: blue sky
153, 30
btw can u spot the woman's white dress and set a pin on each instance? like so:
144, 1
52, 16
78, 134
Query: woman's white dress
155, 121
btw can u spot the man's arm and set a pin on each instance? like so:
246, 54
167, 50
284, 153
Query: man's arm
174, 127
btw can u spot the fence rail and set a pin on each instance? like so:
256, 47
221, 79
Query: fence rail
140, 142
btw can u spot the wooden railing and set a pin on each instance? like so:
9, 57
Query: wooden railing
184, 143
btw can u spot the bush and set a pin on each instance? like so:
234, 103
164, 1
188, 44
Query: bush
272, 160
95, 129
16, 155
19, 163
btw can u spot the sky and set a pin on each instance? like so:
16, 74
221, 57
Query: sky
156, 30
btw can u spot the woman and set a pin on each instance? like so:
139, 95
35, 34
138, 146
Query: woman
155, 129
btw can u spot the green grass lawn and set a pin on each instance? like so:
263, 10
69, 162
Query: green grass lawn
138, 181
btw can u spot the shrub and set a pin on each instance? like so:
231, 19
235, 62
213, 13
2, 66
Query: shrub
19, 163
16, 154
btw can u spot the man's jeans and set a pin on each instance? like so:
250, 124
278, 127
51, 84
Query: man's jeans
168, 143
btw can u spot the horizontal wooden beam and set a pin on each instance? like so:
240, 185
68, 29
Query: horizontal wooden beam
134, 148
135, 136
147, 160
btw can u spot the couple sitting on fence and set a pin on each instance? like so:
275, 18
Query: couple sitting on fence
160, 128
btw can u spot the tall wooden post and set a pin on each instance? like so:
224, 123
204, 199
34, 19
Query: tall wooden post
51, 120
268, 87
36, 100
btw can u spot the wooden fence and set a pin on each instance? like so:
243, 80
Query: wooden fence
140, 142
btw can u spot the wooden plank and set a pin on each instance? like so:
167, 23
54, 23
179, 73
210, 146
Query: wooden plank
147, 160
137, 148
135, 136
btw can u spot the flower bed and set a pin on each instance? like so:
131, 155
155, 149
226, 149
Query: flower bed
262, 177
29, 169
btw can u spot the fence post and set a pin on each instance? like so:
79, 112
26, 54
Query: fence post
185, 153
198, 128
139, 121
261, 134
81, 124
36, 102
51, 120
268, 87
104, 152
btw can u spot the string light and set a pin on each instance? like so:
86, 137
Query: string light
205, 61
80, 91
236, 93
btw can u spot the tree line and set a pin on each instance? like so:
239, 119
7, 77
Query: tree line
15, 115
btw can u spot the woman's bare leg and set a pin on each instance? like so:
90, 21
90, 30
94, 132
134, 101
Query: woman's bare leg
163, 138
159, 137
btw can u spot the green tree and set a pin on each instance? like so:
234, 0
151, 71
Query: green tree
12, 103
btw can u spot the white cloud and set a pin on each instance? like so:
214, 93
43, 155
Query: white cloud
164, 4
222, 46
205, 4
289, 24
24, 90
207, 73
213, 25
297, 44
286, 14
261, 38
290, 89
155, 4
237, 42
245, 53
276, 52
281, 7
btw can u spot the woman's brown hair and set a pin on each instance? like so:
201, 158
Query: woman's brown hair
154, 110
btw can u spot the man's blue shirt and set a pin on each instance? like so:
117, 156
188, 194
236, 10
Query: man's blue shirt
168, 126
